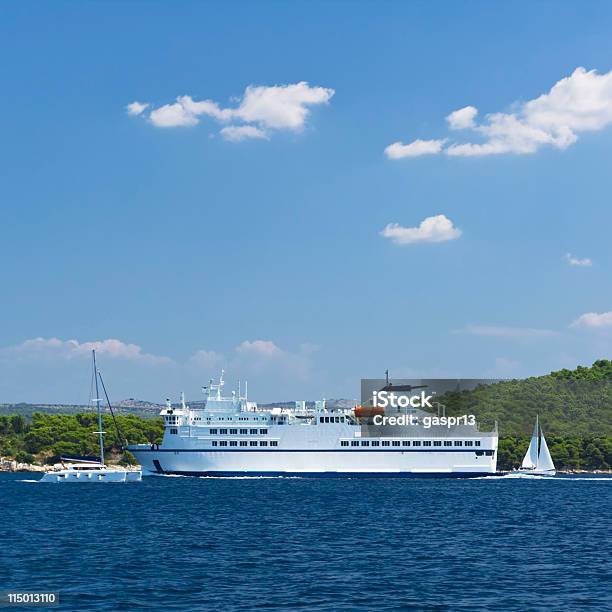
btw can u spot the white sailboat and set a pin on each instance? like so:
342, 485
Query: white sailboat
92, 469
537, 460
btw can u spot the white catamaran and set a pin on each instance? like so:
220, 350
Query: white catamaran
537, 460
92, 469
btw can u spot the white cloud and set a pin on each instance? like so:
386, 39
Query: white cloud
186, 112
261, 108
281, 107
397, 150
70, 349
257, 352
206, 360
432, 229
260, 356
265, 348
495, 331
463, 118
509, 134
58, 367
576, 261
593, 320
578, 103
236, 133
136, 108
172, 115
204, 107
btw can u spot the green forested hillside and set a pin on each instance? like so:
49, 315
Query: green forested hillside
48, 436
574, 408
569, 402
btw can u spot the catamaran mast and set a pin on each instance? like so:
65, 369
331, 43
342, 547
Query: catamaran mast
100, 432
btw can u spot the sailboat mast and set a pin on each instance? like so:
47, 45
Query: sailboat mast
93, 352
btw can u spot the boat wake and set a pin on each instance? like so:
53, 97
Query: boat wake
577, 478
246, 477
534, 477
250, 477
529, 476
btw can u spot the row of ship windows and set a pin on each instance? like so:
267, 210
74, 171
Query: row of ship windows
174, 430
235, 431
331, 419
353, 443
408, 443
231, 419
244, 443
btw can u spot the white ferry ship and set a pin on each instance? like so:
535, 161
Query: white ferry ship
232, 436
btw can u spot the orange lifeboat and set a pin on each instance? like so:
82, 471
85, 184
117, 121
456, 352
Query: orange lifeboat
364, 412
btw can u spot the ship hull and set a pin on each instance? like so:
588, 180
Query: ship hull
218, 474
319, 463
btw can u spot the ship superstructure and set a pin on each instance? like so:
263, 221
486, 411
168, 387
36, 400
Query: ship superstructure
232, 436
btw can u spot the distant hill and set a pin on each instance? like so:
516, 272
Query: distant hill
330, 403
133, 406
130, 406
136, 407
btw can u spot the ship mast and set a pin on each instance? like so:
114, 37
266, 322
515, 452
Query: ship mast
97, 400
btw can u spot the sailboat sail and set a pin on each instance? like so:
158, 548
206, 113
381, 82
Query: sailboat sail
545, 462
530, 460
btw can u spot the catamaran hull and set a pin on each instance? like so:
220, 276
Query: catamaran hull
81, 477
341, 463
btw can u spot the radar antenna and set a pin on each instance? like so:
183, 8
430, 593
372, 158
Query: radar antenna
389, 386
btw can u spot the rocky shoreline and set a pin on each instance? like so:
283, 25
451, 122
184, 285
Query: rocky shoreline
584, 471
10, 465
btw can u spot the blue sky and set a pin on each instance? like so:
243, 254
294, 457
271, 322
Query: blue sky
176, 251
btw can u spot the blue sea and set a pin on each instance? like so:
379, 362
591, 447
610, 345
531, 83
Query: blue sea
173, 543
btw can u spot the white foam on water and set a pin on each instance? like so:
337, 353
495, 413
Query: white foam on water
577, 478
534, 477
248, 477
